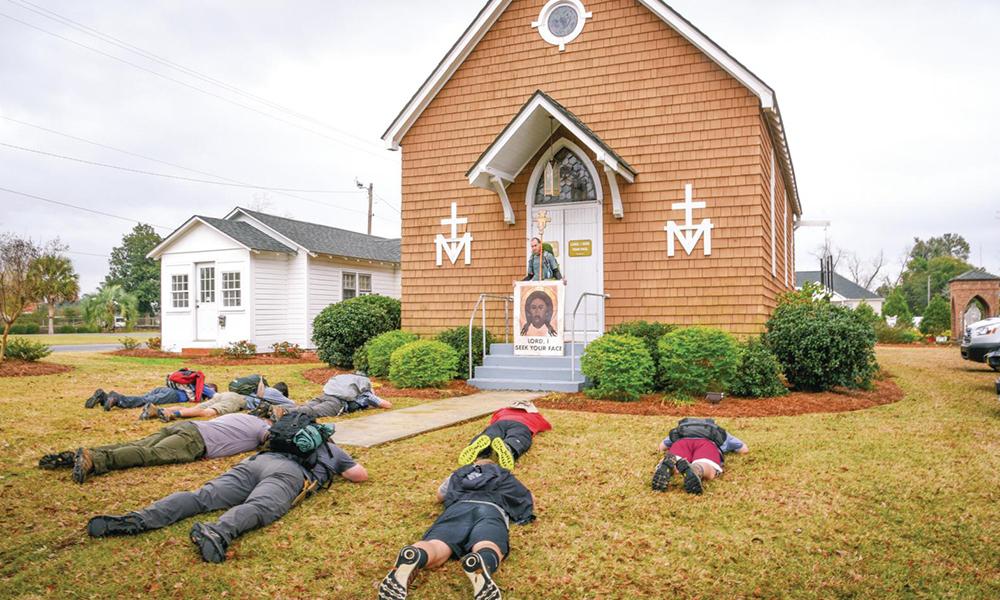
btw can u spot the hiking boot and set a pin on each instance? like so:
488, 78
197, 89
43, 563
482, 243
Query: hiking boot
83, 465
110, 400
393, 586
63, 460
165, 416
97, 398
210, 542
483, 587
469, 454
664, 471
505, 458
108, 525
692, 480
148, 411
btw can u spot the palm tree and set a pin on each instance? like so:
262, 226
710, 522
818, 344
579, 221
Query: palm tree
56, 282
101, 309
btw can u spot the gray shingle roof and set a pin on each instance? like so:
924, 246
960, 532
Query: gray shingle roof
248, 235
976, 275
322, 239
841, 285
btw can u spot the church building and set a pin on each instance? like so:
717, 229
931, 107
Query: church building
655, 162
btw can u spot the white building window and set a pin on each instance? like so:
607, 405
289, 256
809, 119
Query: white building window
179, 290
206, 289
231, 293
364, 284
561, 21
356, 284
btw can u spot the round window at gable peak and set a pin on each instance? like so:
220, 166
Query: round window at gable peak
561, 21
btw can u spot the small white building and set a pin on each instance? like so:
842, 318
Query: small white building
845, 292
258, 277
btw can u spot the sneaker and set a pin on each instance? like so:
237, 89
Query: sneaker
165, 416
469, 454
664, 471
148, 412
483, 587
95, 399
83, 465
393, 586
210, 543
110, 400
108, 525
503, 454
63, 460
692, 480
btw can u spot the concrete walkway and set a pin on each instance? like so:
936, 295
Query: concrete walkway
393, 425
86, 347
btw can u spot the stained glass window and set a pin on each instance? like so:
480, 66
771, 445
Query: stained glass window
575, 182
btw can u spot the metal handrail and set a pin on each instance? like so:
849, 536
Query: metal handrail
506, 320
572, 339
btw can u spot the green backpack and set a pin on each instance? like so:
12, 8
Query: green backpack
246, 385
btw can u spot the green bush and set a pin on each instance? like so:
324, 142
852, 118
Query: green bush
28, 350
458, 338
759, 373
696, 360
900, 334
241, 349
154, 343
287, 350
341, 328
619, 366
25, 329
381, 347
867, 313
423, 363
819, 345
937, 317
360, 358
65, 329
129, 343
896, 306
88, 329
649, 333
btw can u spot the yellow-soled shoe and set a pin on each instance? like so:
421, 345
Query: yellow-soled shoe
468, 454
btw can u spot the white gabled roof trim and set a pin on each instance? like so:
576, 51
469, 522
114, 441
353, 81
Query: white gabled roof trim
158, 251
492, 11
268, 230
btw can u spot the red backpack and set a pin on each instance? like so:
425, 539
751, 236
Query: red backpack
185, 376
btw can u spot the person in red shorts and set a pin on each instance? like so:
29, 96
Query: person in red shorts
694, 449
508, 435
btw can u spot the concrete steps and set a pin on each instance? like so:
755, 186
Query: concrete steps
501, 370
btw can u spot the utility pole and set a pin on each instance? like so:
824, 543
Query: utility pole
370, 187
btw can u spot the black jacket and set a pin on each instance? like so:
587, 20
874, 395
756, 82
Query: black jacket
495, 484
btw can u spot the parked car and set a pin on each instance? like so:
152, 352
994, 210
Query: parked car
982, 338
120, 323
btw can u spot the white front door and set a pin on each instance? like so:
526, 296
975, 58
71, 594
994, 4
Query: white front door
206, 313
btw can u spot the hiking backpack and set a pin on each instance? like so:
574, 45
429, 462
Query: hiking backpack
187, 377
690, 427
246, 386
299, 436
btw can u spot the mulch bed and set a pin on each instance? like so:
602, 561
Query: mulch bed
144, 353
796, 403
259, 359
384, 389
12, 367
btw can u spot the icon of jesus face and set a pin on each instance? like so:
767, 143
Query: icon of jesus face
537, 312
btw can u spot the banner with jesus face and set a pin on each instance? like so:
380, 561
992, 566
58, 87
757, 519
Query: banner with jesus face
538, 318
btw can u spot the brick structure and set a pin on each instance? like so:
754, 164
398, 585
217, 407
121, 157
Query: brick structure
973, 286
643, 95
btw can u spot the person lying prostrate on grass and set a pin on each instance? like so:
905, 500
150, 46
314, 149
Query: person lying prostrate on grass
224, 403
695, 449
480, 501
508, 435
178, 443
257, 491
157, 395
342, 394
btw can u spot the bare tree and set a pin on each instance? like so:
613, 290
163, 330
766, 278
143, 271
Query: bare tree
827, 248
864, 272
17, 286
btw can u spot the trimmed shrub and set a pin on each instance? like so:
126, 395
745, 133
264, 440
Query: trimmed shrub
129, 343
900, 334
695, 360
759, 373
458, 339
287, 350
649, 333
88, 329
867, 313
241, 349
65, 329
28, 350
25, 329
896, 306
154, 343
341, 328
619, 366
821, 346
360, 358
937, 317
381, 347
423, 363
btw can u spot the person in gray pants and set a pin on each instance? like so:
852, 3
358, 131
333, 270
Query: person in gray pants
257, 492
342, 394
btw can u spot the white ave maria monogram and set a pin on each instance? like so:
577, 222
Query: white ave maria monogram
454, 245
688, 233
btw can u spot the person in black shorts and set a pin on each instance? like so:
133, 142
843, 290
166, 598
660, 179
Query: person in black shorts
480, 501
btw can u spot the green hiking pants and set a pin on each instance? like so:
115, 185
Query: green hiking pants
177, 443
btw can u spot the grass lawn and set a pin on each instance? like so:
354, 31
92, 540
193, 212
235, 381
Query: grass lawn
896, 501
66, 339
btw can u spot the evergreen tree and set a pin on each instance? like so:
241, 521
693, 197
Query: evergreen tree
937, 317
895, 306
136, 274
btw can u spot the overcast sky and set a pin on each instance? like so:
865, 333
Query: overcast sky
890, 110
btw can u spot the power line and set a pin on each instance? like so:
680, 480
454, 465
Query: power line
86, 253
169, 63
387, 203
195, 88
90, 210
177, 166
168, 176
